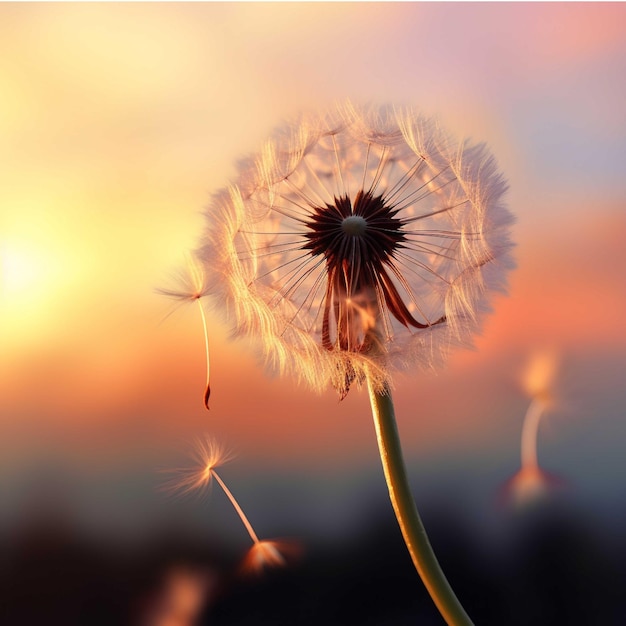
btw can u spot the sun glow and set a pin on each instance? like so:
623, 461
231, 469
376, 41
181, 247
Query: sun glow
30, 276
23, 270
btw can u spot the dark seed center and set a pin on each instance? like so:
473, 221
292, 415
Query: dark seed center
354, 225
367, 227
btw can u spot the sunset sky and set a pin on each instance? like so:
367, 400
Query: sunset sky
118, 121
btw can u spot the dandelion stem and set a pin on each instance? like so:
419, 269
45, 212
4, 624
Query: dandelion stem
239, 510
529, 433
407, 515
207, 390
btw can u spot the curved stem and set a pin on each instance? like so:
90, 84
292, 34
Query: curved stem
239, 510
207, 388
408, 518
529, 434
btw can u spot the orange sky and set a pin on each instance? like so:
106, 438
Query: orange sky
118, 121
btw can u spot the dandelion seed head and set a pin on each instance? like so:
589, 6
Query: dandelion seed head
359, 242
206, 455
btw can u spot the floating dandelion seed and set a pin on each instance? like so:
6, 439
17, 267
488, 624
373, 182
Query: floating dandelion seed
208, 455
531, 482
356, 243
193, 287
359, 242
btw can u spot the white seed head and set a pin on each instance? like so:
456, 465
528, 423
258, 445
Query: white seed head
358, 242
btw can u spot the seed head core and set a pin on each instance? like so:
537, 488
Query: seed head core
354, 225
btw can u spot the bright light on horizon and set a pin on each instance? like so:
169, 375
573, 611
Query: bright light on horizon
32, 279
20, 270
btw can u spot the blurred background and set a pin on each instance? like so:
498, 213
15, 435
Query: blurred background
117, 122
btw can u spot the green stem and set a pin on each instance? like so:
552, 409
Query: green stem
411, 525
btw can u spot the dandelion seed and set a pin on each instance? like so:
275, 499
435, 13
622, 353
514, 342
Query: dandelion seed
357, 243
539, 383
207, 456
193, 287
531, 482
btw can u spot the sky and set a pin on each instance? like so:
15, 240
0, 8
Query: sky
118, 122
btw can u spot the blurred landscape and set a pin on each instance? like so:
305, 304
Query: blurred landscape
544, 568
117, 122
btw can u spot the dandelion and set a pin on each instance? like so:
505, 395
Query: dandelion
355, 244
531, 482
192, 287
208, 455
358, 243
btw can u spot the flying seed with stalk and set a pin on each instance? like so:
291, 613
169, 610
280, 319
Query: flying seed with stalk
207, 456
192, 288
531, 481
